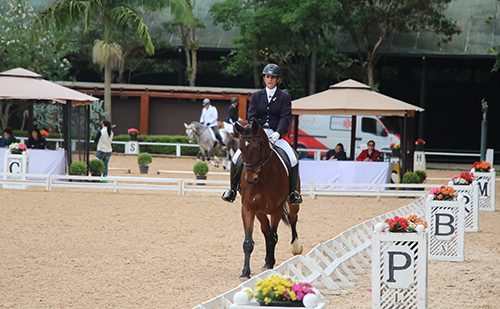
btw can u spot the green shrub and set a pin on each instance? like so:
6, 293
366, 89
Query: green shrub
144, 158
78, 168
411, 177
96, 167
422, 175
200, 168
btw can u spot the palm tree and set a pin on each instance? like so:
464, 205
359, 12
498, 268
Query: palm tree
117, 15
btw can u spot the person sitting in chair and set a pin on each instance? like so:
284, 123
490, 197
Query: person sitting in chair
369, 154
7, 138
209, 117
36, 140
337, 153
271, 107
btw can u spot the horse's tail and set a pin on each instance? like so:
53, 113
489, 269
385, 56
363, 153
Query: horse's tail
286, 212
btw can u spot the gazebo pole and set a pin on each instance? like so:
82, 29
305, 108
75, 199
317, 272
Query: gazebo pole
352, 155
67, 131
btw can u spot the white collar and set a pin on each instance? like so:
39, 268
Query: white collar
270, 93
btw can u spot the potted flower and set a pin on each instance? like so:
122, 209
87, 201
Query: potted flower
144, 159
419, 144
44, 133
404, 225
281, 291
96, 167
16, 148
481, 167
396, 149
464, 179
200, 169
443, 193
133, 133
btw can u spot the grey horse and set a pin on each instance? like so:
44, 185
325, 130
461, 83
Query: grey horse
206, 142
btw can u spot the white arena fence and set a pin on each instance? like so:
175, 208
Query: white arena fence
183, 185
330, 266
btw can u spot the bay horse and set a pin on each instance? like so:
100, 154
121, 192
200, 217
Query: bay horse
264, 192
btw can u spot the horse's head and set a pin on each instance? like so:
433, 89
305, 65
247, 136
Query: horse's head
190, 132
255, 150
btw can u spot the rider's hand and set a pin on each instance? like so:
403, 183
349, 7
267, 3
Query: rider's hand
275, 137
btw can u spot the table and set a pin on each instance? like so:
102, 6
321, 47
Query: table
345, 172
43, 161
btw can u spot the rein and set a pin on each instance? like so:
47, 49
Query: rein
259, 163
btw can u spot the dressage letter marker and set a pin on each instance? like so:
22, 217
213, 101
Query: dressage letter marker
399, 269
446, 229
486, 190
15, 165
471, 196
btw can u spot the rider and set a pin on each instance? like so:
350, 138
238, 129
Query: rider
272, 109
233, 111
209, 117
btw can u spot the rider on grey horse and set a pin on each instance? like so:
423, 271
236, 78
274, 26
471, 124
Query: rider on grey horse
272, 109
209, 117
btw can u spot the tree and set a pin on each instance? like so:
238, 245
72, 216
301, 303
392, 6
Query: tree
44, 55
370, 23
288, 33
186, 33
119, 15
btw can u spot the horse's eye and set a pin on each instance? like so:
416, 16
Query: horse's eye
247, 143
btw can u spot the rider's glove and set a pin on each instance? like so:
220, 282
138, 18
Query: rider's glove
208, 124
275, 137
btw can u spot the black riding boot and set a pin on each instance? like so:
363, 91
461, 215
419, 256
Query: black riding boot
295, 197
222, 146
230, 195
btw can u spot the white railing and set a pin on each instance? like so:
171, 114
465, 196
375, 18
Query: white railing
183, 185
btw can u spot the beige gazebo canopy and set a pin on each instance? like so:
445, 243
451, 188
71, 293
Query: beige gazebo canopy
21, 84
352, 98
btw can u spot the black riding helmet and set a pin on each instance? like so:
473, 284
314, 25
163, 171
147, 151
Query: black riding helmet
271, 69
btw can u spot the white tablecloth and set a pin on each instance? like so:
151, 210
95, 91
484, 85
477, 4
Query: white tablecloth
43, 161
345, 172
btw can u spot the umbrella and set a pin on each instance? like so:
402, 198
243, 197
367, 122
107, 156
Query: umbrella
21, 84
352, 98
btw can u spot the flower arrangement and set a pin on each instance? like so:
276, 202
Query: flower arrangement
133, 131
17, 148
462, 179
400, 224
395, 146
44, 133
443, 193
277, 288
482, 167
419, 142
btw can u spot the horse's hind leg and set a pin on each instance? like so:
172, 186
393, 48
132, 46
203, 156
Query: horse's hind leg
292, 219
271, 235
210, 160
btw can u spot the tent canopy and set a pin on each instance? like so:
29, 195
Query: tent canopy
21, 84
352, 98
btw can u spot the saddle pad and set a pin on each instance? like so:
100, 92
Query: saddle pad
283, 157
228, 127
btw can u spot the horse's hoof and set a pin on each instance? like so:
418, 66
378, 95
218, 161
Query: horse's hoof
225, 168
266, 267
296, 247
244, 278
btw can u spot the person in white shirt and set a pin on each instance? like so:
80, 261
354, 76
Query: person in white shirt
104, 149
209, 117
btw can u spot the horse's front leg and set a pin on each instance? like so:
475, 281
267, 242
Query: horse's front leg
292, 219
271, 236
248, 220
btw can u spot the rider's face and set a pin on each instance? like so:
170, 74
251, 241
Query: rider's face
270, 80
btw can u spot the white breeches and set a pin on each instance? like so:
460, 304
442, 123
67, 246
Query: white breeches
280, 143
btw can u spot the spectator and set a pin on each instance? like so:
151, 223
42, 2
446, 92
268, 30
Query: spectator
369, 154
7, 138
36, 140
337, 153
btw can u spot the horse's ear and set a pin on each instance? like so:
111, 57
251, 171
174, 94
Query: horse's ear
185, 125
238, 127
255, 125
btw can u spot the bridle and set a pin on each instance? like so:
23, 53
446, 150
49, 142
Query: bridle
191, 140
260, 163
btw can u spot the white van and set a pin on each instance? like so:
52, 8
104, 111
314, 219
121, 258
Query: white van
326, 131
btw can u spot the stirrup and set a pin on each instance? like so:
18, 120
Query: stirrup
229, 196
295, 198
